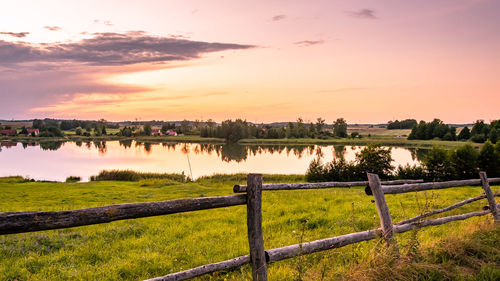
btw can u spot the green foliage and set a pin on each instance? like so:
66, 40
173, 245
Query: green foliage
340, 128
51, 132
438, 165
128, 175
410, 172
431, 130
481, 131
464, 162
403, 124
375, 159
73, 179
78, 131
147, 129
489, 159
464, 134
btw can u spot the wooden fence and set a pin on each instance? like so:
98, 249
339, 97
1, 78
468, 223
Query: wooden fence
259, 258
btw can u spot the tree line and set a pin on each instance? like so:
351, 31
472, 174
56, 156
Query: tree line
436, 129
439, 164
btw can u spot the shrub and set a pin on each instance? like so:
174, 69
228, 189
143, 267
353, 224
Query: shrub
73, 179
375, 159
410, 172
127, 175
437, 164
464, 161
489, 159
315, 171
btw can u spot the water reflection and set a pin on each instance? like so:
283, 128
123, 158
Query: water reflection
57, 160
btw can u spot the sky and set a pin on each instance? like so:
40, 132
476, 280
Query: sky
263, 61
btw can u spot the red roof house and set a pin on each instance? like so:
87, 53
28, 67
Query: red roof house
10, 132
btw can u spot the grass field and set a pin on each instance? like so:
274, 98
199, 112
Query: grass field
149, 247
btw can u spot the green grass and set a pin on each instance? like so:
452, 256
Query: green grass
149, 247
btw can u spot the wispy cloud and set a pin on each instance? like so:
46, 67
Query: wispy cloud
104, 22
15, 34
363, 14
112, 49
49, 77
278, 17
52, 28
307, 43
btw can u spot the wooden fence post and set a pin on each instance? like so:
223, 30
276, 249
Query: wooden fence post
490, 197
254, 224
383, 211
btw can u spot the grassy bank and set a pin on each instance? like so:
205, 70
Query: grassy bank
383, 140
149, 247
386, 140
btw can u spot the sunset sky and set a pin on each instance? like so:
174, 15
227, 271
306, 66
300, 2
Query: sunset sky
366, 61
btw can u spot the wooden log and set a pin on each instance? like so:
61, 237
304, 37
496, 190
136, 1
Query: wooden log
382, 208
490, 196
454, 206
254, 225
404, 188
291, 251
317, 185
409, 226
204, 269
18, 222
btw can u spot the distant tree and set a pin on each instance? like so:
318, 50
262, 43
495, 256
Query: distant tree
494, 135
78, 131
464, 134
404, 124
320, 124
24, 131
147, 129
37, 124
340, 128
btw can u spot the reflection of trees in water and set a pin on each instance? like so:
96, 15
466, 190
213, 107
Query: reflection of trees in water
234, 152
51, 145
79, 143
125, 143
101, 147
418, 153
339, 151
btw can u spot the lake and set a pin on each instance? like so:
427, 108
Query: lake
57, 160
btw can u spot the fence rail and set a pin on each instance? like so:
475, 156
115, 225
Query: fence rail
18, 222
317, 185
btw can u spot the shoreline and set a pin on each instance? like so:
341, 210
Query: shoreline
382, 140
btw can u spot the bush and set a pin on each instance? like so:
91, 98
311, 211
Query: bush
437, 164
489, 159
410, 172
464, 162
375, 159
127, 175
73, 179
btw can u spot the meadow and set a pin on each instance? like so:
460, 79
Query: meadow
149, 247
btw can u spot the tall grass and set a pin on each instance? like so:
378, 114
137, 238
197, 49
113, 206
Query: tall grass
129, 175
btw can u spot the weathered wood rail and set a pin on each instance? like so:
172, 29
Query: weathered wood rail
318, 185
259, 258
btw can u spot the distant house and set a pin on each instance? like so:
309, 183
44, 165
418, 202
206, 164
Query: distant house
35, 131
171, 133
9, 132
155, 132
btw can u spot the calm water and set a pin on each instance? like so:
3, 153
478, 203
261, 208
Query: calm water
56, 161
